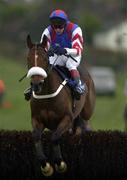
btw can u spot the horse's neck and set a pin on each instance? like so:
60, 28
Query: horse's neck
51, 83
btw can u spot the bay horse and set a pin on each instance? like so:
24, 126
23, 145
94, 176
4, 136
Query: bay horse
52, 104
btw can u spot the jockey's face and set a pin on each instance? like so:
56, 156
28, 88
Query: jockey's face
59, 30
58, 25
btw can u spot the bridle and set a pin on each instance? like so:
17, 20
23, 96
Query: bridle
34, 70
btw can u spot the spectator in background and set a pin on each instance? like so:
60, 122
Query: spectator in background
2, 92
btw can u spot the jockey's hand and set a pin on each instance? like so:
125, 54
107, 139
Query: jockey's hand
50, 53
60, 51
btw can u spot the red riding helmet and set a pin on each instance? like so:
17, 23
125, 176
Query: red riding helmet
58, 17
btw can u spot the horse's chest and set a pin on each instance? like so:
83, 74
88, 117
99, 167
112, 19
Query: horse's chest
50, 118
48, 114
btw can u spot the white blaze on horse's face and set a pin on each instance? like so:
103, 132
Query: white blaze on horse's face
36, 70
36, 56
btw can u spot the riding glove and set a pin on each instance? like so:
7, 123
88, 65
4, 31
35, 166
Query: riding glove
50, 53
60, 51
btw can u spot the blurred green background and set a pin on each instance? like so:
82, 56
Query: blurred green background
18, 18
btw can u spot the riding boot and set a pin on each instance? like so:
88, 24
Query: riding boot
80, 87
28, 93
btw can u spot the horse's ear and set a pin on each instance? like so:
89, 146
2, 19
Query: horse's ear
29, 42
44, 41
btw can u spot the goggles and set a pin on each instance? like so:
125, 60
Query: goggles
58, 23
58, 26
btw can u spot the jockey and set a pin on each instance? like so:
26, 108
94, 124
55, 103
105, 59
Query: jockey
65, 38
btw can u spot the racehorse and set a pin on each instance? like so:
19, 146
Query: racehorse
52, 104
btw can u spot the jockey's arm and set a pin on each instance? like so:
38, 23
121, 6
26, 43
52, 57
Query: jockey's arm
46, 32
77, 43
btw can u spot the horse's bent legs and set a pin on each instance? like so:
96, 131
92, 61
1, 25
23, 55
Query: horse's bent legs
38, 145
62, 128
46, 168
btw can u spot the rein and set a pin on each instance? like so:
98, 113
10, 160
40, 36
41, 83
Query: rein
22, 77
58, 89
49, 70
51, 67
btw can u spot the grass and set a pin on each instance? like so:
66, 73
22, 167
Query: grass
17, 116
108, 112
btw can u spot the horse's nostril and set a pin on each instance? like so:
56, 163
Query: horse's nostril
37, 87
40, 83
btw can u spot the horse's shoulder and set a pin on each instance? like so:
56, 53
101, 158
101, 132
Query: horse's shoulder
84, 72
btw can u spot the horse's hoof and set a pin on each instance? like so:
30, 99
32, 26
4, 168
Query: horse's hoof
62, 167
47, 170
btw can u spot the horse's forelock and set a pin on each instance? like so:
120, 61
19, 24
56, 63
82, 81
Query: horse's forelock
41, 53
38, 48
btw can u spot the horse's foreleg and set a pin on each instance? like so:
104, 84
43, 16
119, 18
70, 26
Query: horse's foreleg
38, 145
46, 168
87, 126
81, 126
62, 128
78, 126
60, 165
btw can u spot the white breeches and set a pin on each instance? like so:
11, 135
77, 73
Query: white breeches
65, 61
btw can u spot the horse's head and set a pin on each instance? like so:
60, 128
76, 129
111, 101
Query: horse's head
37, 61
